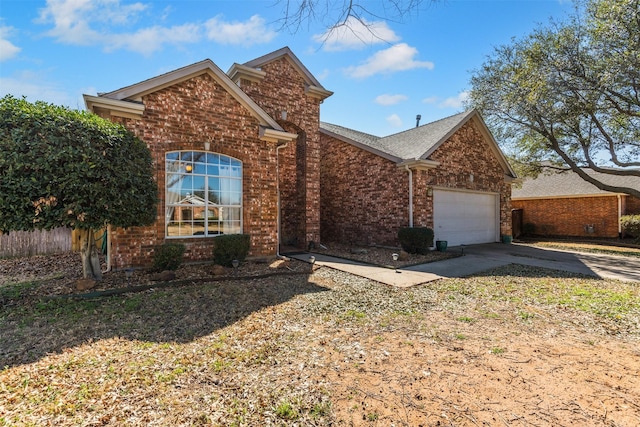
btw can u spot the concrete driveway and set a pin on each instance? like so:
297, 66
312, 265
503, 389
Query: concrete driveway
479, 258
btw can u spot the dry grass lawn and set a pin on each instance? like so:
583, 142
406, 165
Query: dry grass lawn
515, 346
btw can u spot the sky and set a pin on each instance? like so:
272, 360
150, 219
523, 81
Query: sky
57, 50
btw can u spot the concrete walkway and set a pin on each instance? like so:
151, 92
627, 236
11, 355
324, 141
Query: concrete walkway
478, 258
401, 278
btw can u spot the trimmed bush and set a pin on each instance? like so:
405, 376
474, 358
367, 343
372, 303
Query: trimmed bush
631, 225
416, 240
229, 247
168, 256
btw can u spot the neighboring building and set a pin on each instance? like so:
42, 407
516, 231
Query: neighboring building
449, 175
563, 204
243, 152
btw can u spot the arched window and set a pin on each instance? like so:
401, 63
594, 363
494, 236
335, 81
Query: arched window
203, 194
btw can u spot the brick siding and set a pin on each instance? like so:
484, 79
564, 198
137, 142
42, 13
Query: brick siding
183, 117
365, 197
570, 216
632, 205
283, 89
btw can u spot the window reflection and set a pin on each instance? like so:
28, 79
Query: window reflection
203, 194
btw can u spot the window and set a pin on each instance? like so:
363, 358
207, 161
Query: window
203, 194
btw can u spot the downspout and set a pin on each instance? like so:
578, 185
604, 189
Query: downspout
410, 195
619, 216
278, 219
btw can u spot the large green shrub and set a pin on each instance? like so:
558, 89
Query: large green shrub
416, 240
631, 225
229, 247
168, 256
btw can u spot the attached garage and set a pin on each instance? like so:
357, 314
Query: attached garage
465, 218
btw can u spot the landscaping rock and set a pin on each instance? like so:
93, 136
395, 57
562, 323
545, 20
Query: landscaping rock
403, 256
85, 284
219, 270
165, 276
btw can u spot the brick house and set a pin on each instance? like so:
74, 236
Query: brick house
244, 152
563, 204
228, 149
449, 175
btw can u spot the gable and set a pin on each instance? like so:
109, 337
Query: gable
468, 149
252, 71
127, 101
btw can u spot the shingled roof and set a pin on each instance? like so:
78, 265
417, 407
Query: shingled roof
569, 184
413, 144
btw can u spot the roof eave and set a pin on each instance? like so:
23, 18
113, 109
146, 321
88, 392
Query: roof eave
128, 109
239, 71
418, 164
318, 92
278, 136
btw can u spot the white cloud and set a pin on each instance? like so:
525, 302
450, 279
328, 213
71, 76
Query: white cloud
151, 39
356, 34
399, 57
387, 99
394, 120
455, 101
430, 100
73, 19
92, 22
253, 31
7, 49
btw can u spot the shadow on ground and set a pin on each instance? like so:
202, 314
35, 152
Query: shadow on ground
30, 329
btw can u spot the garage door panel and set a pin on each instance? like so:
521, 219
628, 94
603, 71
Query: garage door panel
465, 217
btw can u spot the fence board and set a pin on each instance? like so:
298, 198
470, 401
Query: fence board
38, 242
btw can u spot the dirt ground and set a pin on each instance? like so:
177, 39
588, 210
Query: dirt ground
506, 348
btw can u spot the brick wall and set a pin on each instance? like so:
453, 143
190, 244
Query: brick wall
570, 216
365, 197
283, 89
632, 205
183, 117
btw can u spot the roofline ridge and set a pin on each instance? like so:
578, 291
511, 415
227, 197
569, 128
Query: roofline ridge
430, 123
351, 129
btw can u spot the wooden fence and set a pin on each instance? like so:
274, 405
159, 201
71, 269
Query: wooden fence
28, 243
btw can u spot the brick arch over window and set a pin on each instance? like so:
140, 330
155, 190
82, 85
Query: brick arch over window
293, 188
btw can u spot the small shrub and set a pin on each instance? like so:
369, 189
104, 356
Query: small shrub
631, 225
528, 229
229, 247
168, 256
416, 240
286, 411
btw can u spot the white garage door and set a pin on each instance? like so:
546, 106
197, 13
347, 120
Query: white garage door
464, 218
